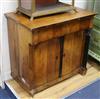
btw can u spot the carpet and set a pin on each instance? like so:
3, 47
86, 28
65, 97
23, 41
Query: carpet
92, 91
6, 93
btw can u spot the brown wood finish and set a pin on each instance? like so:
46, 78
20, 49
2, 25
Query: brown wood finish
47, 50
54, 19
53, 60
46, 62
24, 39
13, 43
72, 52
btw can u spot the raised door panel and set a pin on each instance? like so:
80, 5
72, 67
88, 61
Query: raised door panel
67, 54
46, 62
53, 59
78, 47
72, 55
40, 64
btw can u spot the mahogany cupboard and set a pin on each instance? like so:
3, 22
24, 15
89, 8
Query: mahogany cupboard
49, 49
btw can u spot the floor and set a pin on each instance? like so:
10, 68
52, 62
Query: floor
62, 89
6, 93
92, 91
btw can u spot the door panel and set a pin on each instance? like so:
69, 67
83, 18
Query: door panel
40, 64
53, 59
67, 57
72, 52
77, 50
46, 62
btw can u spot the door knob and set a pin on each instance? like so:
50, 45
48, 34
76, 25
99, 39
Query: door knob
64, 55
56, 57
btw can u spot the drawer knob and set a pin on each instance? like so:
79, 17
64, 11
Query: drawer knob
56, 57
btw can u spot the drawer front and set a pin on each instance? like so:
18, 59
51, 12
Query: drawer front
86, 23
58, 30
50, 32
74, 26
42, 34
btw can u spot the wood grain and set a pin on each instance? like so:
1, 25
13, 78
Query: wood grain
46, 62
49, 20
24, 39
47, 50
40, 64
53, 60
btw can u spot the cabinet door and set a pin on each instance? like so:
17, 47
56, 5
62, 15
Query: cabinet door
72, 54
46, 62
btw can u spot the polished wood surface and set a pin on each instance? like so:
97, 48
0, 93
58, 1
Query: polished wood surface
72, 52
46, 62
49, 20
44, 52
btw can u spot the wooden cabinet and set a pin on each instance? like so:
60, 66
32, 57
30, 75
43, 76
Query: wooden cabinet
48, 50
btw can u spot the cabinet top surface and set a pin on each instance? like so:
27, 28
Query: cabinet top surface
48, 20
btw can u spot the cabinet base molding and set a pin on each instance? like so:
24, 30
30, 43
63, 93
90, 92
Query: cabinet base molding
83, 71
47, 85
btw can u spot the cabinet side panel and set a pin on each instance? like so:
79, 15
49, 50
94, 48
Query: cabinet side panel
77, 49
13, 43
25, 40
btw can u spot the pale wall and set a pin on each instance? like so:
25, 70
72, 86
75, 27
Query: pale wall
9, 6
78, 3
